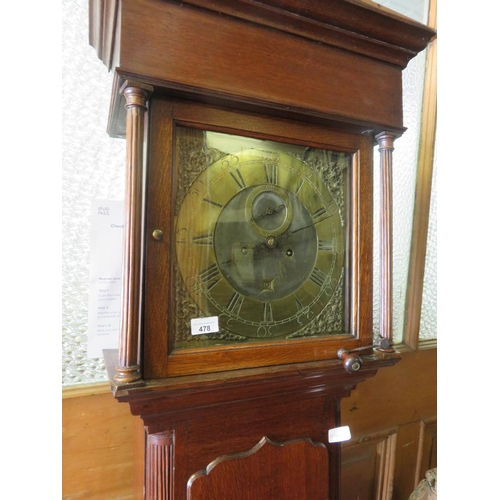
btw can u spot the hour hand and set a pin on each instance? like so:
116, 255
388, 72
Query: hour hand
269, 211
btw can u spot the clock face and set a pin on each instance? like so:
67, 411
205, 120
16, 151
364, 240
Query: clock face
260, 243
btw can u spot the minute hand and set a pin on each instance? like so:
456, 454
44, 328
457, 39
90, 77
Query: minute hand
309, 225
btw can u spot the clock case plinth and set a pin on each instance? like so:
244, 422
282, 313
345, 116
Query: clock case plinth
332, 67
191, 422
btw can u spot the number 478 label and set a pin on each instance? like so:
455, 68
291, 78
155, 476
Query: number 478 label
204, 326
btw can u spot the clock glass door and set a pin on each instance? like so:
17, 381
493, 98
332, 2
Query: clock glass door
261, 240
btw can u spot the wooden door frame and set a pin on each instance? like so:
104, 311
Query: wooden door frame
423, 188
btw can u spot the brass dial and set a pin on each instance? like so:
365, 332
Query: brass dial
259, 243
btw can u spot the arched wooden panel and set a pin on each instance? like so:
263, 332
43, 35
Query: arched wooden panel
287, 471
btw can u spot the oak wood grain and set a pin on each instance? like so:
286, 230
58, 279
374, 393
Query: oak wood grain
337, 60
253, 474
252, 63
102, 450
128, 367
361, 27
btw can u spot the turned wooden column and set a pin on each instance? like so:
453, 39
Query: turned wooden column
159, 462
136, 96
386, 147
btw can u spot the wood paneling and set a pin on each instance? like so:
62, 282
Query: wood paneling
427, 456
406, 459
404, 401
368, 467
405, 393
101, 449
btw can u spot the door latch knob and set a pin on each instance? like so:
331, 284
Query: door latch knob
352, 362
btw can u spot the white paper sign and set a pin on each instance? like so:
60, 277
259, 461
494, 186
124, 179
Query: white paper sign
106, 242
205, 326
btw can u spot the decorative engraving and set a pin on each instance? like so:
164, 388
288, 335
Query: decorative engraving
332, 167
330, 320
193, 158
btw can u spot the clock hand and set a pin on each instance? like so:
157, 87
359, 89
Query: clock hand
289, 233
269, 211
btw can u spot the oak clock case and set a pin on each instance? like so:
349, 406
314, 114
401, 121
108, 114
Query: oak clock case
260, 239
258, 172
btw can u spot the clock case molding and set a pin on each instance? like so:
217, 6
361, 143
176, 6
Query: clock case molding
356, 49
325, 73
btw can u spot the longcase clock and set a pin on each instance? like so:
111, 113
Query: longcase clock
248, 252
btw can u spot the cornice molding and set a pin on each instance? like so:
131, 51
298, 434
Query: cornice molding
356, 26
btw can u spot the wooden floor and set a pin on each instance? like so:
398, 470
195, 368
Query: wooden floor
392, 418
